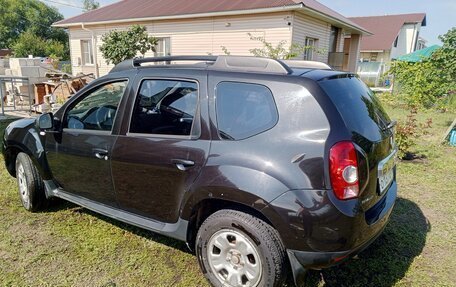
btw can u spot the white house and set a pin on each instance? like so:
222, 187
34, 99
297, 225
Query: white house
201, 27
393, 36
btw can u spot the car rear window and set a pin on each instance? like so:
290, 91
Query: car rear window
244, 110
358, 106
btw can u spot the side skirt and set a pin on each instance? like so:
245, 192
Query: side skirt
176, 230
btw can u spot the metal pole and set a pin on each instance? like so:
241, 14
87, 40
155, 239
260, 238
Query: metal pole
29, 96
13, 88
1, 97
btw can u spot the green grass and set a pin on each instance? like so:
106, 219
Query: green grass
71, 246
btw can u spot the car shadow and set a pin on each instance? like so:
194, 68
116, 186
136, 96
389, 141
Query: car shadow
60, 205
387, 260
383, 263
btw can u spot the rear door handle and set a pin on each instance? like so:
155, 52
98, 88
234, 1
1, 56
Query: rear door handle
101, 153
183, 164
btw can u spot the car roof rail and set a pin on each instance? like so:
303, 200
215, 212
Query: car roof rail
306, 64
139, 61
136, 62
230, 63
250, 64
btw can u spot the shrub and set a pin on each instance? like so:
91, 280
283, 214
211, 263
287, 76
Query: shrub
407, 132
430, 82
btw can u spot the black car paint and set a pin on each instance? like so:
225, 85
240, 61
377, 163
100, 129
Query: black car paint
289, 186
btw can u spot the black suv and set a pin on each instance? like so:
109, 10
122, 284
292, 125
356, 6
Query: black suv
261, 166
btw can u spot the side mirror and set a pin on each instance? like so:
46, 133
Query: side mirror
45, 121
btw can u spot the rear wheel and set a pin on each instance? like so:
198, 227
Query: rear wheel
30, 183
238, 249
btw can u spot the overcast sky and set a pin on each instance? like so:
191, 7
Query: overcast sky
441, 14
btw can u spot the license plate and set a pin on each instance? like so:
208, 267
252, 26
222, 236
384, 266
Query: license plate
386, 171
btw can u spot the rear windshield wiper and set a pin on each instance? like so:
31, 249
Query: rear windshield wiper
390, 125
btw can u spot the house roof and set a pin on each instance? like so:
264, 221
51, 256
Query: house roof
5, 52
385, 29
143, 10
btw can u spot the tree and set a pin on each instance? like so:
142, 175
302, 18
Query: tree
90, 5
18, 16
31, 44
121, 45
445, 57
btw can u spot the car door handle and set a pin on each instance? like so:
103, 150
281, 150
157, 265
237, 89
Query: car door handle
101, 153
183, 164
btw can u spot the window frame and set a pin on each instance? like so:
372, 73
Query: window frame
86, 94
163, 38
90, 52
334, 35
310, 51
396, 41
248, 83
195, 132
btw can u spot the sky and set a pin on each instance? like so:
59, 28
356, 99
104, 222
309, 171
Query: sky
441, 14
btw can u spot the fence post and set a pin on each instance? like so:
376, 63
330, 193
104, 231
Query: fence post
1, 96
29, 96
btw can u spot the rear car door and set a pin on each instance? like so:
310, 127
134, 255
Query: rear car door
164, 142
79, 155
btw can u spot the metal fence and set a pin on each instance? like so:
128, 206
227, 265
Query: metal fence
15, 94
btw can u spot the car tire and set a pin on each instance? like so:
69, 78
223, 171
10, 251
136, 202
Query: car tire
30, 184
237, 249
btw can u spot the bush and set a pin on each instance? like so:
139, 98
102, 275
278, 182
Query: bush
428, 83
407, 132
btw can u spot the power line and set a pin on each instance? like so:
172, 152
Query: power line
64, 4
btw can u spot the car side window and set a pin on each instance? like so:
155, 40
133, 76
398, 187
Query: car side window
165, 107
244, 110
97, 110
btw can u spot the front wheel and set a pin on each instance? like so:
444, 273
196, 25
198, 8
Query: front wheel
30, 183
237, 249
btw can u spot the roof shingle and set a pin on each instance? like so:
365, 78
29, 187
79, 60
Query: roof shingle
140, 9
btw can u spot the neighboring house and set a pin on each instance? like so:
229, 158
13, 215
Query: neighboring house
422, 44
201, 27
393, 36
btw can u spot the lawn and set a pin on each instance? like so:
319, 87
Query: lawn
71, 246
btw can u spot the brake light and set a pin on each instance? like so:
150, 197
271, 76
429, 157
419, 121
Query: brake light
343, 169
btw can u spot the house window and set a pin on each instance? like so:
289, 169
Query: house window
163, 47
86, 52
373, 57
311, 44
333, 37
395, 42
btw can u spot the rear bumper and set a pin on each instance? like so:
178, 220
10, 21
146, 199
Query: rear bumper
319, 260
319, 235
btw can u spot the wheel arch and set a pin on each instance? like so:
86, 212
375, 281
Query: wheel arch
208, 206
37, 157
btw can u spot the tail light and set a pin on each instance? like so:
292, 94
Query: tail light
343, 169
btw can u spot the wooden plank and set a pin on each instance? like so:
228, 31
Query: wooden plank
448, 131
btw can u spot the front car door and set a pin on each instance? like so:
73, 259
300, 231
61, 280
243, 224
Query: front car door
79, 155
163, 144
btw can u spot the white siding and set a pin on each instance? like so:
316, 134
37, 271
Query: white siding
407, 40
200, 36
306, 26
